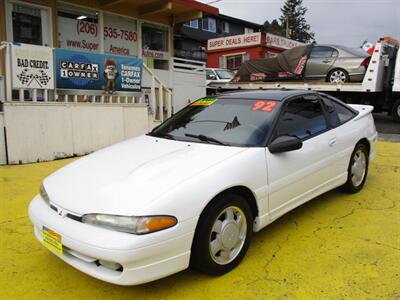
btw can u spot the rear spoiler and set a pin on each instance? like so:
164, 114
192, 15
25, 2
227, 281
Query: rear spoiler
363, 110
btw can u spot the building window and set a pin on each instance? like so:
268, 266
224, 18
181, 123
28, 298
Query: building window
225, 27
29, 24
248, 30
233, 62
78, 30
120, 35
155, 46
192, 24
209, 24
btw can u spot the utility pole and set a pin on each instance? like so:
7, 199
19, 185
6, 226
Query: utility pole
287, 27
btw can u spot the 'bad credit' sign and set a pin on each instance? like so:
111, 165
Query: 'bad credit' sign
32, 67
92, 71
243, 40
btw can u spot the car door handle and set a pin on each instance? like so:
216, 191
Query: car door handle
332, 142
326, 61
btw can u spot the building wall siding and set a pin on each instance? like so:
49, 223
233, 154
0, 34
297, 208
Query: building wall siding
45, 131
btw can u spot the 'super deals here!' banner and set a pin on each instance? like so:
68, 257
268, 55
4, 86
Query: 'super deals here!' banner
92, 71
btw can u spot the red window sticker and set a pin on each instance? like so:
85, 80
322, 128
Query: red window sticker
262, 105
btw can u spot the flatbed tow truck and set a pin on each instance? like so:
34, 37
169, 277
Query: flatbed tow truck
380, 86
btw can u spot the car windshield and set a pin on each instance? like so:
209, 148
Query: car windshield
235, 122
225, 74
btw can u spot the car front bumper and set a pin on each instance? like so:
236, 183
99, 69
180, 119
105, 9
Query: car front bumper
143, 258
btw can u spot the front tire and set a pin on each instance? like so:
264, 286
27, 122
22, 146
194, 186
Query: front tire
357, 170
338, 76
222, 235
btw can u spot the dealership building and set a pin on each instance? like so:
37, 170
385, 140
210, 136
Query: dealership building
229, 52
77, 76
139, 28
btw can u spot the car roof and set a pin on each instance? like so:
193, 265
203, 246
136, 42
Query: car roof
277, 95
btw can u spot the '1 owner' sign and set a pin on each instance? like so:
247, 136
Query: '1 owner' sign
32, 67
93, 71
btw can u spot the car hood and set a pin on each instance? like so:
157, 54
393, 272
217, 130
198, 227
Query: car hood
126, 177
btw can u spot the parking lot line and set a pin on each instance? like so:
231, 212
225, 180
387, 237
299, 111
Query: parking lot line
336, 246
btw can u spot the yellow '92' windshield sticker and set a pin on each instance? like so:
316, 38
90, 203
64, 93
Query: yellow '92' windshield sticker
204, 102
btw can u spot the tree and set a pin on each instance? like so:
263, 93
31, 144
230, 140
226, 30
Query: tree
274, 27
293, 13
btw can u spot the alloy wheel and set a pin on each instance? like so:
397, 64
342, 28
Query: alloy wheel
338, 76
358, 168
228, 235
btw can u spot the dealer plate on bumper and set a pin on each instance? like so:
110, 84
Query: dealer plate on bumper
52, 240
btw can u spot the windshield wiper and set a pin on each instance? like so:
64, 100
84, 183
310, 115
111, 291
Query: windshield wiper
162, 135
205, 138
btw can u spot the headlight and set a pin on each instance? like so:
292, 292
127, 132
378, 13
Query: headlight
136, 225
44, 195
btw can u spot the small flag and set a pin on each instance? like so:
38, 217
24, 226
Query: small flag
368, 47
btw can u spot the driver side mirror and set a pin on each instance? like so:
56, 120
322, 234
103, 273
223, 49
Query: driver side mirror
285, 143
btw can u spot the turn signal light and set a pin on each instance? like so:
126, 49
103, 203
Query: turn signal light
158, 223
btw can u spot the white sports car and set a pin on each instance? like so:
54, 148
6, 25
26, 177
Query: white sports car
192, 191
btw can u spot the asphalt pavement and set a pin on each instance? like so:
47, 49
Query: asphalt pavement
388, 130
337, 246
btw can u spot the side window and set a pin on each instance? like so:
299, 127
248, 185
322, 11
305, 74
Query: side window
210, 75
322, 52
303, 118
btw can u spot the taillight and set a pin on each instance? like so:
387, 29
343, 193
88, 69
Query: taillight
365, 62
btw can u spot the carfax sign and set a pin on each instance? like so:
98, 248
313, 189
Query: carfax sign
92, 71
32, 67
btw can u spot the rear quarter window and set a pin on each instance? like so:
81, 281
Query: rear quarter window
338, 113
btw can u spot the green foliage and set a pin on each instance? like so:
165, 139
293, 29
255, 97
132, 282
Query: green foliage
274, 27
294, 12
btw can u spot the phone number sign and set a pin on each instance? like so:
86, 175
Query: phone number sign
120, 35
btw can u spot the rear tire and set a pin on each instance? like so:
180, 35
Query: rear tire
338, 76
222, 235
396, 111
358, 169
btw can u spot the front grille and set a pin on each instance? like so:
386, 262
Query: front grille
74, 217
68, 215
54, 208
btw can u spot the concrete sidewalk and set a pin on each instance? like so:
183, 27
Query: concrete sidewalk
337, 246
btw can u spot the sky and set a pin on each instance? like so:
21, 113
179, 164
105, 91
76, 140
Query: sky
344, 22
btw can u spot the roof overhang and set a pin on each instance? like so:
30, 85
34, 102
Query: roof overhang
177, 11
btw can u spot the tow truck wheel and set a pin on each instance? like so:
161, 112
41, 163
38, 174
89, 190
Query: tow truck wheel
338, 76
396, 110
